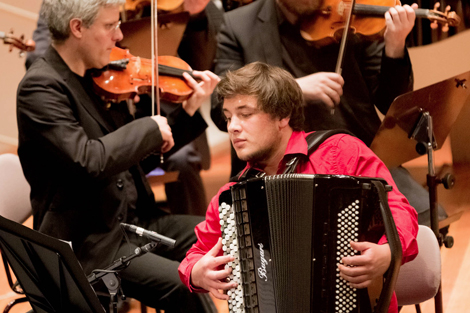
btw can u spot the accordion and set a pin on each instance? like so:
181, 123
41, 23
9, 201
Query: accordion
289, 232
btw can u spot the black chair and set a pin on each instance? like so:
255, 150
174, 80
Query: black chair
14, 205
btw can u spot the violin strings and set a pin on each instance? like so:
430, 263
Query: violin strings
166, 69
380, 10
172, 71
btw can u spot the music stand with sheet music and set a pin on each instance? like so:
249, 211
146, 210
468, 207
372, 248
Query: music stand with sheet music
417, 123
47, 270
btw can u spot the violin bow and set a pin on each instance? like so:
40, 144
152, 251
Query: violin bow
155, 79
342, 47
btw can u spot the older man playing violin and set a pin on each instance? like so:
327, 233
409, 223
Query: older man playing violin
86, 161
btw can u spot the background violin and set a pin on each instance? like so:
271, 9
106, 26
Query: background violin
19, 43
327, 24
134, 9
163, 5
128, 75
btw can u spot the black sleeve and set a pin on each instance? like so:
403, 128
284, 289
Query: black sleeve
386, 78
199, 44
228, 57
41, 37
396, 78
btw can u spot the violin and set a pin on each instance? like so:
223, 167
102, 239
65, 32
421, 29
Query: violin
19, 43
127, 76
162, 5
327, 24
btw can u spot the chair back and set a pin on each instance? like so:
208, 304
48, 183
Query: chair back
419, 280
15, 203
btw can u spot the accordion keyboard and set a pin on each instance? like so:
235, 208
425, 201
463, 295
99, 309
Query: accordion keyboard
348, 223
230, 247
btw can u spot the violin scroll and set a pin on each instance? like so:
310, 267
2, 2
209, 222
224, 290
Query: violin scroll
447, 18
162, 5
18, 43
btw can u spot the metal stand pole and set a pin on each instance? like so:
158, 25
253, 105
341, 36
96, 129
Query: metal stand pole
424, 135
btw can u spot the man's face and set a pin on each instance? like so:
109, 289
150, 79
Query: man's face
301, 7
101, 37
254, 134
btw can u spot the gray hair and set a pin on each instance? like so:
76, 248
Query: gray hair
59, 13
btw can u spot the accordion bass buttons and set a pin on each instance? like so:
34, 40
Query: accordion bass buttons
246, 229
247, 241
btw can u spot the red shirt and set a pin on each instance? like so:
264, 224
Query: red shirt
339, 155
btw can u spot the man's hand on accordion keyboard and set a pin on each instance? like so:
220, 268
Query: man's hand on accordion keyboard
360, 270
207, 274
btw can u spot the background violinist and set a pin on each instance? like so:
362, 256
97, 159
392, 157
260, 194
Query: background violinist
86, 164
374, 72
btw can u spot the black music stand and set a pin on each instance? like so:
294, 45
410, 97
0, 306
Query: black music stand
47, 270
443, 101
426, 117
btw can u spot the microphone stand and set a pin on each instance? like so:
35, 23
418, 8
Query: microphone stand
110, 277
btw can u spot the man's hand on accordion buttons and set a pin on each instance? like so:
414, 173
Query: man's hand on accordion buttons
361, 270
207, 274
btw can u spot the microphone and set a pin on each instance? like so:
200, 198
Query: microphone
150, 235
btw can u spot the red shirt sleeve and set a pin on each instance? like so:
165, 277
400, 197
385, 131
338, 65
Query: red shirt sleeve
208, 233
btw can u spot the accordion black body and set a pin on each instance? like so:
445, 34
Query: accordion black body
288, 234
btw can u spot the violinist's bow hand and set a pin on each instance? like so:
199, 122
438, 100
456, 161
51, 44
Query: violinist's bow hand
165, 131
324, 87
202, 89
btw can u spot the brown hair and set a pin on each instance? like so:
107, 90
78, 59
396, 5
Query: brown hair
277, 92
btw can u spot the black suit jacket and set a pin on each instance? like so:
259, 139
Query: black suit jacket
251, 33
80, 167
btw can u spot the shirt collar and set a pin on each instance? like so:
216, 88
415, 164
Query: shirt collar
296, 145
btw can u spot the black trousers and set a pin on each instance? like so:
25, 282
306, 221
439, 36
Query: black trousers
153, 277
416, 194
186, 195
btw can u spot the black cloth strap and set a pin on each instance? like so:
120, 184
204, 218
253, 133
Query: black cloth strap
314, 140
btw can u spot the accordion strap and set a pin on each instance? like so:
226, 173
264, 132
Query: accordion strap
314, 140
395, 250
